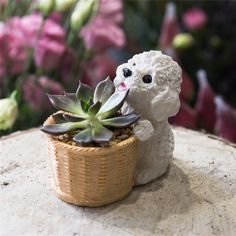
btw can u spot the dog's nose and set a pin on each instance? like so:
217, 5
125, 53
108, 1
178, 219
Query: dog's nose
127, 72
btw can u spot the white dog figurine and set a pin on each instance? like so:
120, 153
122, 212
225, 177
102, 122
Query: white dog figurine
154, 83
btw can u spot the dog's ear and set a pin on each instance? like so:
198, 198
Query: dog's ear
165, 104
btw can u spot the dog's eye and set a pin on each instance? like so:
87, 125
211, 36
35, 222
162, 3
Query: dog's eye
127, 72
147, 79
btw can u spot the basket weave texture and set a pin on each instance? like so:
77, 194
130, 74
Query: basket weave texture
91, 176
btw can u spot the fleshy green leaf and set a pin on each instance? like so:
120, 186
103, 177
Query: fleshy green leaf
84, 92
59, 118
100, 133
66, 104
84, 136
121, 121
103, 90
85, 106
59, 128
64, 127
72, 96
93, 110
72, 118
78, 102
113, 104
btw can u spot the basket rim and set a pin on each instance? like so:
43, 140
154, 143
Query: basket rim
113, 147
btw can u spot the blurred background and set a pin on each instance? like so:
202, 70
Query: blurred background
47, 46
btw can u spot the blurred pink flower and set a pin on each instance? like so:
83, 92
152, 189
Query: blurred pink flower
186, 117
55, 16
194, 18
48, 54
3, 3
97, 71
104, 30
53, 30
205, 105
50, 47
13, 54
102, 34
14, 24
66, 70
169, 27
35, 89
226, 120
112, 10
31, 25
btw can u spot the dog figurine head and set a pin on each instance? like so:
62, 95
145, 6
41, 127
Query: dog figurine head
154, 81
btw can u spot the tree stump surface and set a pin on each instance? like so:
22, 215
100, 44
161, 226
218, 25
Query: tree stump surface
196, 197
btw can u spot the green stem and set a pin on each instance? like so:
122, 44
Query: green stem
8, 11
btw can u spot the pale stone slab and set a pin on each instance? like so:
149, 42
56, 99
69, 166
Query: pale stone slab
196, 197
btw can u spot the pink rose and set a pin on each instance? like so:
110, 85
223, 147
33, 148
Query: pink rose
13, 54
50, 47
194, 18
35, 89
225, 120
101, 34
205, 105
97, 71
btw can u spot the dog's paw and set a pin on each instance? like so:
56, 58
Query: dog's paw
143, 130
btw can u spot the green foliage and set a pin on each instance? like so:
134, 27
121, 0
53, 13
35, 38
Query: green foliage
87, 114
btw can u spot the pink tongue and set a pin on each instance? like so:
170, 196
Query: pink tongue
122, 86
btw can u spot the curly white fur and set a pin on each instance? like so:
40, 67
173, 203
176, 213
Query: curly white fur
155, 102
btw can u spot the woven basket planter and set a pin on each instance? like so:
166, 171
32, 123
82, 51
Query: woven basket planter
92, 176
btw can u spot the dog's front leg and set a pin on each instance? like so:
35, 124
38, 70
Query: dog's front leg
143, 130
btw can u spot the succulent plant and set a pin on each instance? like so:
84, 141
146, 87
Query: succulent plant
87, 113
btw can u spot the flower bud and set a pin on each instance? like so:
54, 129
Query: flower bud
225, 125
81, 14
205, 105
8, 112
64, 5
45, 6
169, 26
182, 41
